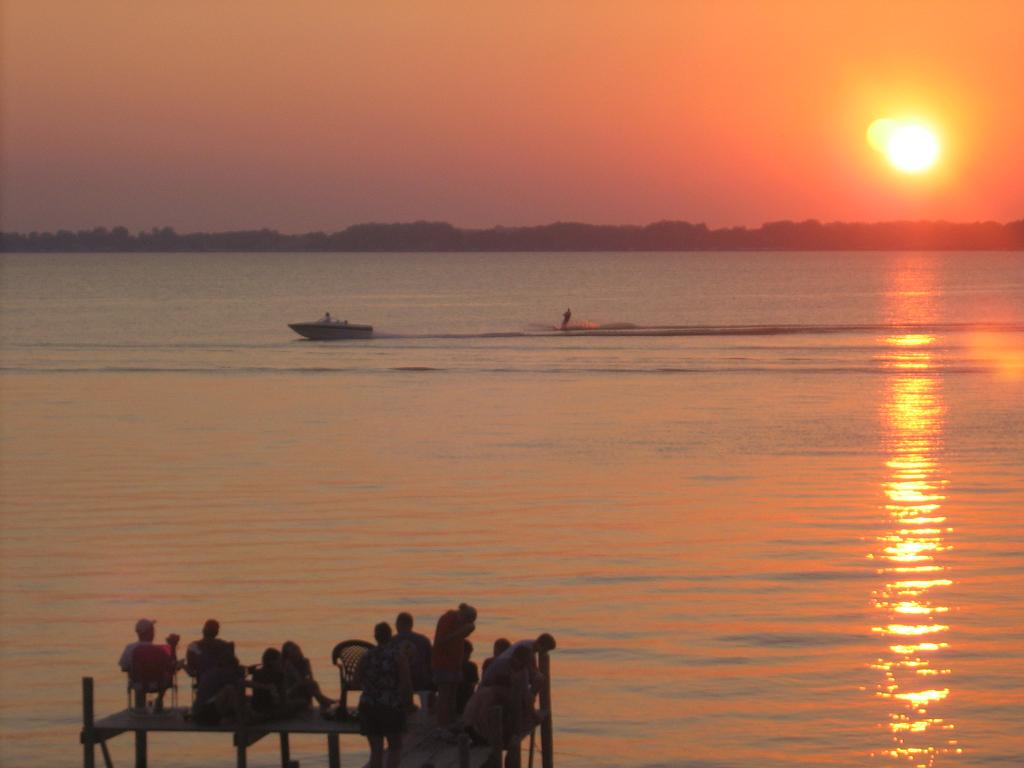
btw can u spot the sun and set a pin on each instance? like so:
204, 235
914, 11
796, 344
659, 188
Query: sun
910, 146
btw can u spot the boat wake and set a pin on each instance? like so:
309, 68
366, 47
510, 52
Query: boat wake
588, 329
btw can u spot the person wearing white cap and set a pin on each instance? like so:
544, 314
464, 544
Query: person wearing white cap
145, 630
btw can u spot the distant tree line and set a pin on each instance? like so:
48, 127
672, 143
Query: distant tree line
439, 236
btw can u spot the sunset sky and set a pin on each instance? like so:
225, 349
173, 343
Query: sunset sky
307, 115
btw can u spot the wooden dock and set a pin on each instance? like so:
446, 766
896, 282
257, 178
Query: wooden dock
422, 745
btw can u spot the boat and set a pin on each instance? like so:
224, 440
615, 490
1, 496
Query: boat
330, 330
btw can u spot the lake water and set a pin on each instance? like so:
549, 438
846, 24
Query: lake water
773, 515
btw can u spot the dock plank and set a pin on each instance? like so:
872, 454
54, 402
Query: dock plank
173, 719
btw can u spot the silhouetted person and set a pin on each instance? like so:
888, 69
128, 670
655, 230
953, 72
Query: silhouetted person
453, 627
499, 666
269, 698
510, 692
500, 646
383, 675
417, 650
565, 318
205, 654
220, 693
470, 677
150, 667
300, 686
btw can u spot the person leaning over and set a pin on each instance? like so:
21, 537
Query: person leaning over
500, 664
453, 628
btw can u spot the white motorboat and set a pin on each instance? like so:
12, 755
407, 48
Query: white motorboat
329, 330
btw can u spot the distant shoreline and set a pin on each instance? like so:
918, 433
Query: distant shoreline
424, 236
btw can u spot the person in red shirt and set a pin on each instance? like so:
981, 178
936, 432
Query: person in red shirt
453, 628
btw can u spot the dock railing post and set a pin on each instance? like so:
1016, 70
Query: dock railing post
88, 715
547, 749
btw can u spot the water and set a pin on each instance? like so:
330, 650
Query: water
772, 517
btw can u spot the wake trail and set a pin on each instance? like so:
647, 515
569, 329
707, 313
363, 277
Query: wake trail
631, 330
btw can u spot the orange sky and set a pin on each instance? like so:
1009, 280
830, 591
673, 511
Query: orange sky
303, 115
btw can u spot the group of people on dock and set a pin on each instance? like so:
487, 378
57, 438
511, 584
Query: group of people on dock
402, 665
281, 684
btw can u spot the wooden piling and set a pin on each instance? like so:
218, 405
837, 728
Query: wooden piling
141, 749
333, 751
88, 717
241, 741
547, 749
286, 755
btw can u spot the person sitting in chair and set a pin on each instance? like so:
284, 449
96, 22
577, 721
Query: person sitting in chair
220, 692
150, 667
205, 654
300, 685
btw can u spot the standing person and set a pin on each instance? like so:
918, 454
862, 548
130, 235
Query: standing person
470, 677
417, 649
453, 628
500, 646
565, 318
383, 675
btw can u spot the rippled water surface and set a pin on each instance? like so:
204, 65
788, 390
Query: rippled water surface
769, 504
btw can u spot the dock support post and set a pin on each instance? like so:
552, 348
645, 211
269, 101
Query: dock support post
140, 749
333, 751
547, 749
241, 738
88, 743
286, 753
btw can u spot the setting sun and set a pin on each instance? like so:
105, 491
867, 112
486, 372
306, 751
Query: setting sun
909, 146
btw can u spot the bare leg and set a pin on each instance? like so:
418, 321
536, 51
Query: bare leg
376, 751
323, 701
394, 750
445, 706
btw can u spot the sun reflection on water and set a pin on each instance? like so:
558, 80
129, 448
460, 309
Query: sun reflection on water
909, 555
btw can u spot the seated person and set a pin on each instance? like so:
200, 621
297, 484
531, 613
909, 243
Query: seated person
300, 686
269, 697
205, 653
220, 693
150, 667
470, 677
